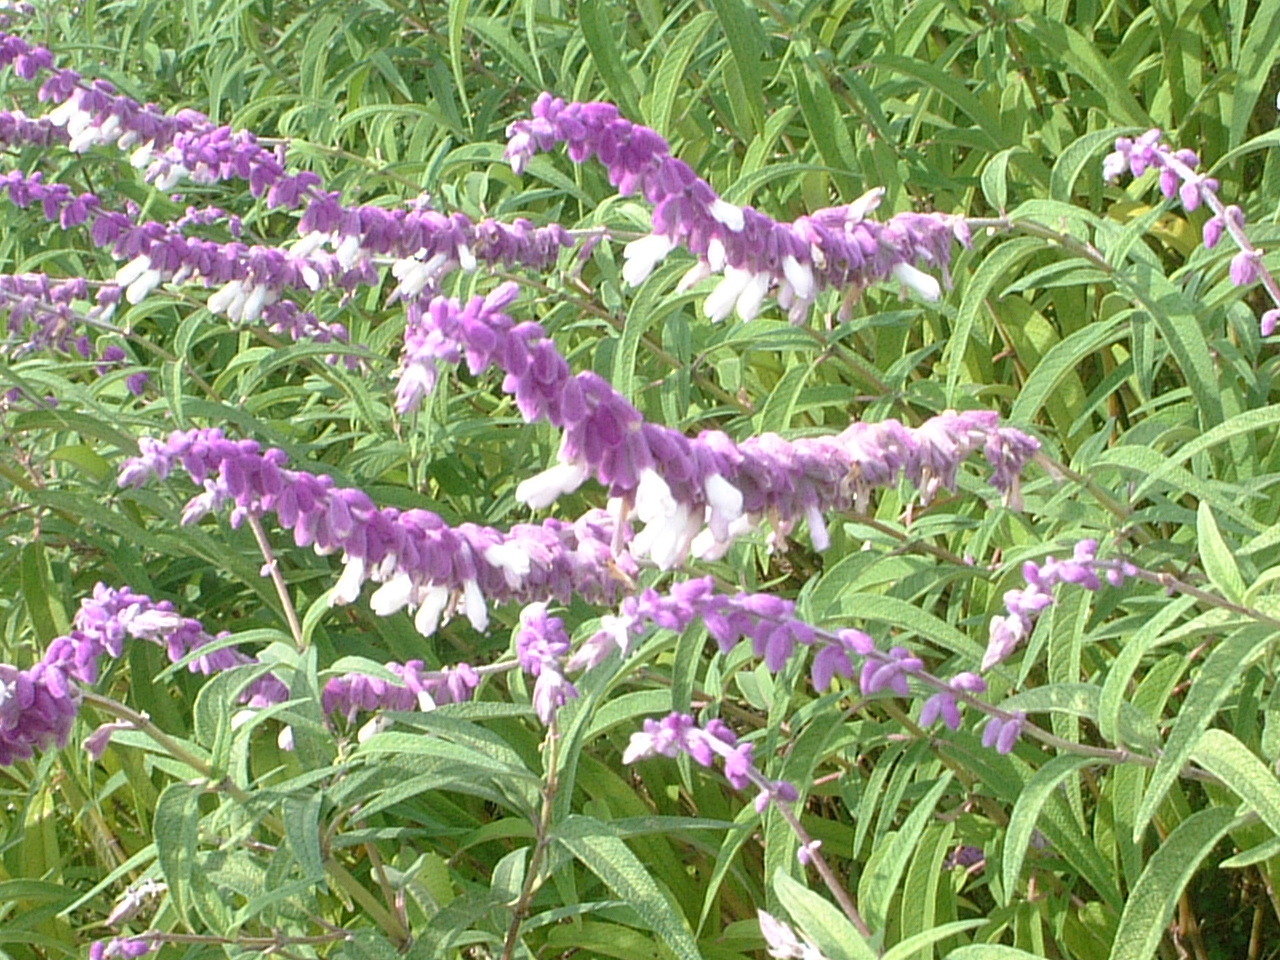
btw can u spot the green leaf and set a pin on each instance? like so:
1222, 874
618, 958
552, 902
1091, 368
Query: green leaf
1152, 900
990, 951
1231, 762
613, 862
905, 949
599, 29
1211, 687
884, 872
177, 832
1026, 812
819, 920
742, 30
302, 828
1219, 563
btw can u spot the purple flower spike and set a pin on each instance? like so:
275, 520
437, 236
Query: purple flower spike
1003, 734
837, 248
679, 733
123, 948
1024, 606
419, 561
1179, 176
693, 496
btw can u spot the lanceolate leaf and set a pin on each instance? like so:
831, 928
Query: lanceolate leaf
1211, 687
1151, 902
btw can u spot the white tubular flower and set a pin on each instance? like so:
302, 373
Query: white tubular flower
474, 607
413, 275
643, 255
752, 297
817, 527
542, 489
728, 214
466, 259
392, 596
721, 301
432, 603
724, 505
917, 280
347, 589
800, 276
512, 560
641, 747
348, 251
694, 276
255, 302
143, 156
859, 209
171, 177
228, 300
715, 255
132, 270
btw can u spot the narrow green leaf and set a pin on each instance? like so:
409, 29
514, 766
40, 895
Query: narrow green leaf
1219, 563
904, 949
613, 862
819, 920
1152, 900
1026, 812
302, 828
884, 872
1232, 762
1208, 691
746, 42
177, 832
600, 29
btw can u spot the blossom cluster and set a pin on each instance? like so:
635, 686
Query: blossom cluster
542, 644
1025, 604
420, 561
1179, 178
679, 733
693, 495
39, 705
836, 248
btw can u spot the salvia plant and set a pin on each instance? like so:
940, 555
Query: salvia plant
711, 480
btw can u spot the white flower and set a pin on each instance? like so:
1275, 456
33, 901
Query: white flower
511, 559
433, 601
799, 275
473, 605
724, 504
643, 255
542, 489
752, 296
392, 595
917, 280
347, 589
728, 214
721, 301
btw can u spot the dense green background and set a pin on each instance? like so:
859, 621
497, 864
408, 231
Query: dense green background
1087, 313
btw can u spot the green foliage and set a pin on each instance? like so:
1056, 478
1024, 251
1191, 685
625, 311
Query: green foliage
1147, 823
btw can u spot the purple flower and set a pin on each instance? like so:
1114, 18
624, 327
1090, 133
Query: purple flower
692, 495
836, 248
1179, 177
1024, 606
1002, 733
944, 706
419, 560
124, 948
679, 733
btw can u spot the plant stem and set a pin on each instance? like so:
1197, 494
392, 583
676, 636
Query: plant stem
277, 578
